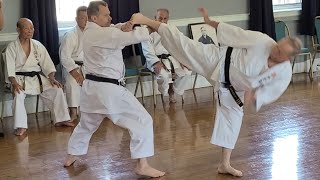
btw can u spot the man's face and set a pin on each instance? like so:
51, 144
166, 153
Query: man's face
162, 16
26, 30
282, 51
103, 18
203, 32
82, 19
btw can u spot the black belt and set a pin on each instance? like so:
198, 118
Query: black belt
103, 79
80, 63
227, 78
31, 74
166, 56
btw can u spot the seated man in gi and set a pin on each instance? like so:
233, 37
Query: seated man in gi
31, 71
247, 61
103, 95
71, 56
172, 77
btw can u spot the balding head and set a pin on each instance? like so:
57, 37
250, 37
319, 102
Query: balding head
25, 28
162, 15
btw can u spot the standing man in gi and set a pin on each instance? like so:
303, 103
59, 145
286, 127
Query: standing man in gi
172, 77
102, 92
71, 56
257, 64
31, 71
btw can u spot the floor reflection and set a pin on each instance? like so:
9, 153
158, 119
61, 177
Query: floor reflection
285, 158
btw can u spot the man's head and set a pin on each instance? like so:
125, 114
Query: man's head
25, 28
82, 17
98, 12
285, 49
162, 15
203, 31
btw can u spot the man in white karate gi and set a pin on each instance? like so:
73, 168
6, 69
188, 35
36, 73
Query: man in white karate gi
32, 72
102, 94
71, 57
257, 64
171, 76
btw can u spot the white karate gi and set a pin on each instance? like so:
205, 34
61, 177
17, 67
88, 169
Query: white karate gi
151, 49
248, 70
103, 57
38, 60
70, 53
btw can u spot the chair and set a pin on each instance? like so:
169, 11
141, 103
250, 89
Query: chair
316, 38
146, 72
131, 73
282, 31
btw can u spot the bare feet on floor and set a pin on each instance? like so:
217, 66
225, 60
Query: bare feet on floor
20, 131
70, 159
65, 123
172, 99
149, 171
229, 170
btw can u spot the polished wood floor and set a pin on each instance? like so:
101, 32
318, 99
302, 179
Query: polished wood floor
281, 142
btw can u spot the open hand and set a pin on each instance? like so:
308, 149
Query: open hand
54, 82
77, 76
204, 13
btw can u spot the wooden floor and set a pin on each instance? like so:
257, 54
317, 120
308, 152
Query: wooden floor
281, 142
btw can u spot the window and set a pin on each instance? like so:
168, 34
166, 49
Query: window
286, 5
281, 2
66, 12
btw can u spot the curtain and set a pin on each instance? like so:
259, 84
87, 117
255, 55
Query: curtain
121, 11
310, 9
43, 15
261, 17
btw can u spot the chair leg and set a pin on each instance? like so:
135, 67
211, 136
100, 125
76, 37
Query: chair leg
37, 106
137, 84
294, 60
141, 88
182, 99
195, 80
153, 92
311, 67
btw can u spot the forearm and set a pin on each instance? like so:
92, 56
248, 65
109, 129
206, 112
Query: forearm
213, 24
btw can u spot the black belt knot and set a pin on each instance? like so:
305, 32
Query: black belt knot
32, 74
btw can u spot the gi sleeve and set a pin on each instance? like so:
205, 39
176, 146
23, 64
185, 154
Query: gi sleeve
66, 49
10, 60
237, 37
114, 38
149, 52
45, 60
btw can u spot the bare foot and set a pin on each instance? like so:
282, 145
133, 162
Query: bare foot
20, 131
229, 170
70, 159
172, 99
65, 123
149, 171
